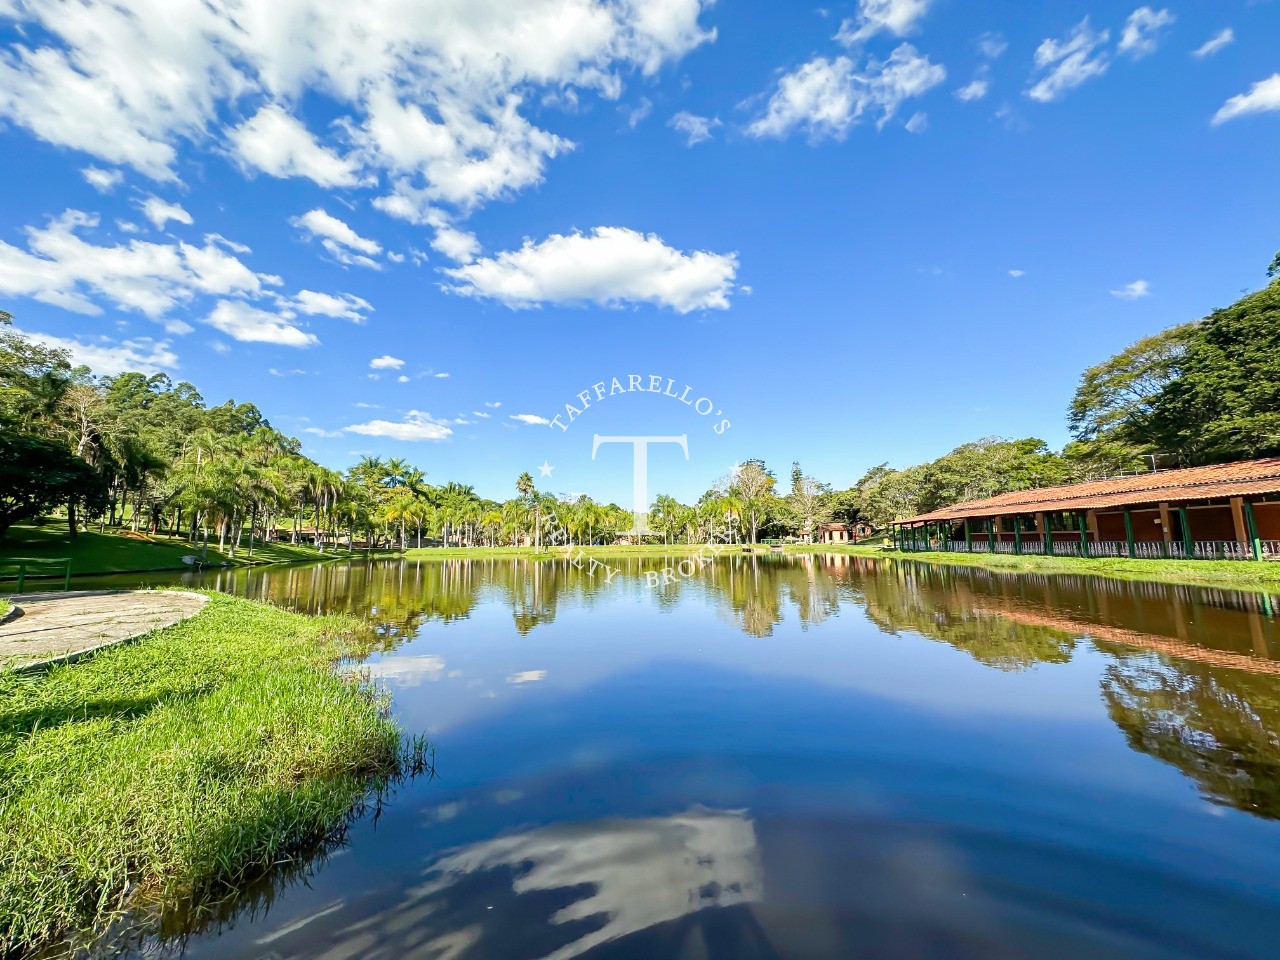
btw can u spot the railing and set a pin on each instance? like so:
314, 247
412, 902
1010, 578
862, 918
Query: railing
20, 569
1142, 549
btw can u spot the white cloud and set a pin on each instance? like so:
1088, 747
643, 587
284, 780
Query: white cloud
1219, 41
343, 306
609, 266
337, 237
403, 378
918, 123
317, 432
277, 143
530, 418
696, 129
458, 245
104, 181
60, 267
1142, 31
493, 405
1067, 63
1133, 291
416, 427
1263, 97
899, 17
160, 212
1017, 273
992, 45
826, 97
441, 376
977, 88
480, 413
249, 324
386, 362
104, 357
637, 114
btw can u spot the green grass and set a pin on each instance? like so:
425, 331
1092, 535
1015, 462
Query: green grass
168, 770
98, 553
5, 607
1239, 574
547, 553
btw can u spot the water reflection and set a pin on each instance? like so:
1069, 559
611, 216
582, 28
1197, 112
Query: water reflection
801, 757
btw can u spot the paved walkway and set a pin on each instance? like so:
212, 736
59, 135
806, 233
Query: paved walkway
54, 626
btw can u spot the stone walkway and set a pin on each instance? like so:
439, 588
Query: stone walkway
57, 626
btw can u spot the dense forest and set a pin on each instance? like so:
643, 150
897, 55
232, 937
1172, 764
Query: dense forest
150, 454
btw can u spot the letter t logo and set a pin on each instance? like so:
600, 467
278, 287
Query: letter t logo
640, 472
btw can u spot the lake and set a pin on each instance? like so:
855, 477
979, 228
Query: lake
793, 757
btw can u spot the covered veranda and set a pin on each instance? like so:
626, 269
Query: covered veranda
1225, 511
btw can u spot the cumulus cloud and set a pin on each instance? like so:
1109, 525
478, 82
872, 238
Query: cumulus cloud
249, 324
1067, 63
696, 129
1141, 34
342, 306
62, 268
1262, 97
1219, 41
610, 266
338, 238
1133, 291
825, 97
415, 428
386, 362
104, 181
992, 45
975, 89
899, 17
108, 358
459, 246
431, 95
277, 143
530, 418
160, 212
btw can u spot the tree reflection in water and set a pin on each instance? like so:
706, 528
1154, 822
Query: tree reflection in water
1194, 678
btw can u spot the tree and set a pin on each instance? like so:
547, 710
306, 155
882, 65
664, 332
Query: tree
754, 485
1114, 399
809, 501
1274, 269
37, 474
1225, 403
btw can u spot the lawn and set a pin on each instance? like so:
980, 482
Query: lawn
174, 767
96, 553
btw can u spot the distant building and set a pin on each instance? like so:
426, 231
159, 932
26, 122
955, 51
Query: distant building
841, 532
1229, 510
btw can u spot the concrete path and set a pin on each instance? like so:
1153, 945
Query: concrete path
57, 626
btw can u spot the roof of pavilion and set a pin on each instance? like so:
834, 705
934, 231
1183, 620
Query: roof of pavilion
1243, 479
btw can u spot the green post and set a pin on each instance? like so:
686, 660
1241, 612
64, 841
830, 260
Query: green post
1084, 535
1128, 534
1048, 535
22, 575
1253, 530
1017, 535
66, 581
1188, 545
991, 533
968, 536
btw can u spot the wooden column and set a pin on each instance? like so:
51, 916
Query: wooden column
1237, 518
991, 533
1091, 518
968, 536
1166, 527
1017, 535
1046, 534
1128, 533
1188, 545
1084, 534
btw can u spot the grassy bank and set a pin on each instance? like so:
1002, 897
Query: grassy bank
5, 607
175, 766
1238, 574
98, 553
646, 550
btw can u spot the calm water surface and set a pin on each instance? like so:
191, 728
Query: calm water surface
799, 757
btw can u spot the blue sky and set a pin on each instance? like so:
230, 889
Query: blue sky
866, 232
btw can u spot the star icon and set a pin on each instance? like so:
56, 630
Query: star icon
545, 469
